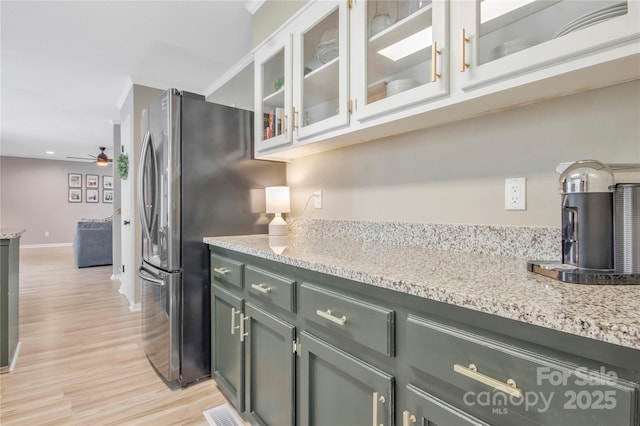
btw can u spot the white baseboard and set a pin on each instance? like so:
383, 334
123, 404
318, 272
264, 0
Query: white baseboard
135, 308
30, 246
116, 277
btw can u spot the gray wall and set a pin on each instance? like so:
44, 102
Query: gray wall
237, 92
455, 173
34, 194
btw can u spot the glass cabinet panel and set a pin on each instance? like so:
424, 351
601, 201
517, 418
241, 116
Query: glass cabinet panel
535, 32
320, 69
273, 87
400, 62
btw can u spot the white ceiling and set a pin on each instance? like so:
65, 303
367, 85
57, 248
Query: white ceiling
66, 66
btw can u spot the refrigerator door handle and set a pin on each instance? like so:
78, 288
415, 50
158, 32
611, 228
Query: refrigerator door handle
141, 171
145, 276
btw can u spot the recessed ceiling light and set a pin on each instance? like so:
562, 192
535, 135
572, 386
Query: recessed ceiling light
408, 46
50, 152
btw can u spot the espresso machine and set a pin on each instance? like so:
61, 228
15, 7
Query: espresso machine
600, 228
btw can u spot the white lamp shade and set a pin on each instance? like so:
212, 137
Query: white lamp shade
277, 199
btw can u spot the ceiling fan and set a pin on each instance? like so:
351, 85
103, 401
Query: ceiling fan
101, 159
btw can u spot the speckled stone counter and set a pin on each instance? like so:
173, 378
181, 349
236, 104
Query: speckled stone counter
492, 284
10, 233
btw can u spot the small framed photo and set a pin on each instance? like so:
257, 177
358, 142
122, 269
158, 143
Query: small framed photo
107, 196
107, 182
75, 180
75, 195
92, 196
92, 181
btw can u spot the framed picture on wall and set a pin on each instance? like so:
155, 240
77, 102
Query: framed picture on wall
75, 195
92, 181
75, 180
92, 196
107, 196
107, 182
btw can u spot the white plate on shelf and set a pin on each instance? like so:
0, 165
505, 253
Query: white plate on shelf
592, 18
589, 20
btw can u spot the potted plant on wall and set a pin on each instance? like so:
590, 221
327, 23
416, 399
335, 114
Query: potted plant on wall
123, 166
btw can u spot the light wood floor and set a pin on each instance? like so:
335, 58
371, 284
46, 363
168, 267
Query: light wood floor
81, 361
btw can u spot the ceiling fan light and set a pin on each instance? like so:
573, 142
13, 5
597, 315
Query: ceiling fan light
102, 159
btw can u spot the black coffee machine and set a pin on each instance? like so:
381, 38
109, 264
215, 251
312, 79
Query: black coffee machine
588, 254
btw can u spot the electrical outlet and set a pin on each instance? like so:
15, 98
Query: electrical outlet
515, 194
318, 199
46, 233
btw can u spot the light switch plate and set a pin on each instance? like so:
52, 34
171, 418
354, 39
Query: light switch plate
515, 194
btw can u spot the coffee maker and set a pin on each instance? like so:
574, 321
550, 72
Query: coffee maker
590, 219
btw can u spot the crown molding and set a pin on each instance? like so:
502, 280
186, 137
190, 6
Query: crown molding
239, 66
253, 5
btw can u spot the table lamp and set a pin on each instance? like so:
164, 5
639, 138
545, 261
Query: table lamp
277, 201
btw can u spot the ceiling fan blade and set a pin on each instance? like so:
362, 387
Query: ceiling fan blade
81, 158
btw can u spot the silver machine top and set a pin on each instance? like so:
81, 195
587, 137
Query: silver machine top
586, 176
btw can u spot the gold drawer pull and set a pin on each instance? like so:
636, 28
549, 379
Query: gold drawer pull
222, 271
434, 63
377, 398
329, 316
463, 45
243, 334
234, 327
408, 418
509, 387
261, 288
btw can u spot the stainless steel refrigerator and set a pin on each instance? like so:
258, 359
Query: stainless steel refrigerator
197, 179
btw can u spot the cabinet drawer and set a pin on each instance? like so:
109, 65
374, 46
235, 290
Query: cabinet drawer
535, 389
226, 270
266, 286
365, 323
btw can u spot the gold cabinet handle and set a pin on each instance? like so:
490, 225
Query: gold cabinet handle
293, 117
463, 46
407, 418
261, 288
242, 333
221, 271
434, 65
234, 327
329, 316
377, 399
471, 371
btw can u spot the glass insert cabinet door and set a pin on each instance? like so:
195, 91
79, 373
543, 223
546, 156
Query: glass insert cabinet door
501, 38
321, 69
273, 83
401, 47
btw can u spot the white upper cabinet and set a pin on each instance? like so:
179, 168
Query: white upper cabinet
321, 69
273, 88
400, 54
301, 78
500, 39
348, 71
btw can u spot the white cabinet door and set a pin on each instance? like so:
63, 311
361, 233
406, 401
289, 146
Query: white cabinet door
321, 69
400, 54
500, 39
273, 84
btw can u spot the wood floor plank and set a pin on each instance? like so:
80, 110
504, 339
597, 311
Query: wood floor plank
82, 361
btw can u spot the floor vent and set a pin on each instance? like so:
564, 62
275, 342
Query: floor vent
223, 415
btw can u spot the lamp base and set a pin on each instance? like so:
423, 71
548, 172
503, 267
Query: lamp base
278, 227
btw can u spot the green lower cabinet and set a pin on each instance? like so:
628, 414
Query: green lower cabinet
227, 366
270, 369
423, 409
338, 389
9, 301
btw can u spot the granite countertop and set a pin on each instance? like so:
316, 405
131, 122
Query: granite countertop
11, 233
492, 284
